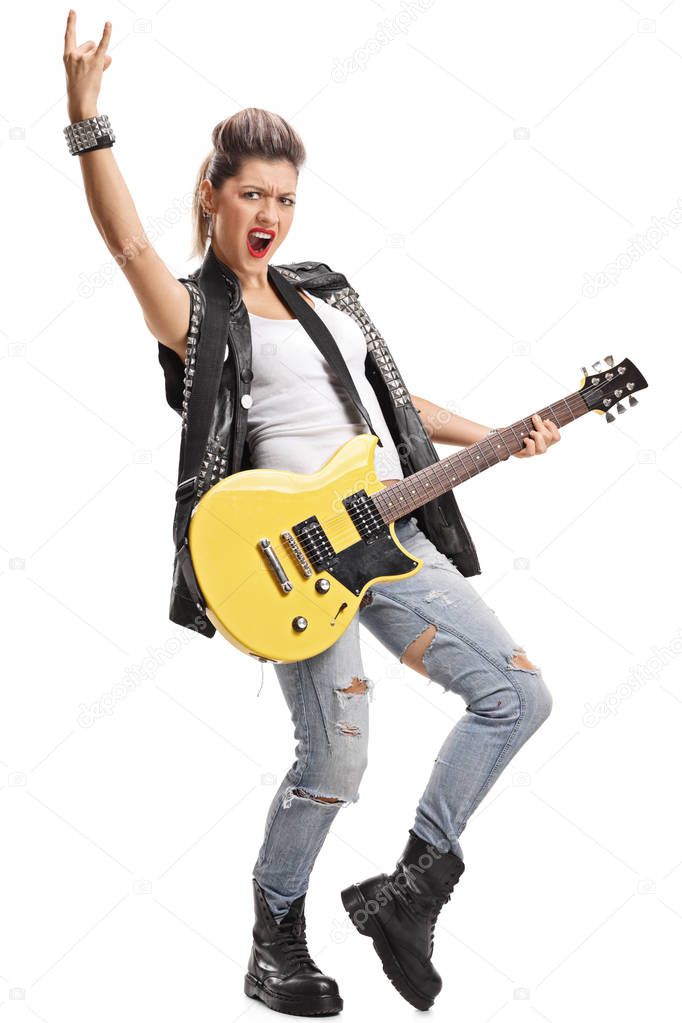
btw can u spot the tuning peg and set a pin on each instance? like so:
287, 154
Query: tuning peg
610, 417
585, 371
608, 359
620, 408
596, 366
633, 400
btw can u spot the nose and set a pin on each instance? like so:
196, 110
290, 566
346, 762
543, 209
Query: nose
267, 215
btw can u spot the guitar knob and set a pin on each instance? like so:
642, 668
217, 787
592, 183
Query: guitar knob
621, 408
633, 400
322, 585
610, 418
608, 359
299, 624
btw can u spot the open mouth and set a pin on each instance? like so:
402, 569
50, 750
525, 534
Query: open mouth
258, 241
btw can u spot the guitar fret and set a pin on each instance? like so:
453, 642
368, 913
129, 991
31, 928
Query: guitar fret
569, 408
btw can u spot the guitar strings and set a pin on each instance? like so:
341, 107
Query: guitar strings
344, 515
350, 531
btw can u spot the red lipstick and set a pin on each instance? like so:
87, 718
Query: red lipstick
258, 241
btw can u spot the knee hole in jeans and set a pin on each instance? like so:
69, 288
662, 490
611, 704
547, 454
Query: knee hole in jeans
320, 799
301, 793
413, 653
519, 659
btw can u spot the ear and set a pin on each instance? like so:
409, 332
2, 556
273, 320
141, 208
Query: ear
206, 194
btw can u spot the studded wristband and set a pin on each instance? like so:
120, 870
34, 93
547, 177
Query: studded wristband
92, 133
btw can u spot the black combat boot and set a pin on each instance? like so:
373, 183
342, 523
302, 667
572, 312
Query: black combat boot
281, 971
398, 912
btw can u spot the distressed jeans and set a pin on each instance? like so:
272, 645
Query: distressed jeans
471, 654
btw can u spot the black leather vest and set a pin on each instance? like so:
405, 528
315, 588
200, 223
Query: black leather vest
227, 450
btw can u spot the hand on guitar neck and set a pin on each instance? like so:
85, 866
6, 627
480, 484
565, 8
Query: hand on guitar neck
545, 434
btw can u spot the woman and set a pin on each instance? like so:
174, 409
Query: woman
434, 621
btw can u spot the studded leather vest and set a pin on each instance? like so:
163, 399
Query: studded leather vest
227, 450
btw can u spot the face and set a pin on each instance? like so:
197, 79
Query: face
260, 198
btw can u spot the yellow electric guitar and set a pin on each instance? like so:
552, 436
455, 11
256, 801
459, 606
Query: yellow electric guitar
283, 559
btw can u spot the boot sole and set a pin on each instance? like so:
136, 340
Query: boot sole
354, 901
320, 1005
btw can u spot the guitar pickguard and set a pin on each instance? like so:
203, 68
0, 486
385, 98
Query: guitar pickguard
373, 556
361, 562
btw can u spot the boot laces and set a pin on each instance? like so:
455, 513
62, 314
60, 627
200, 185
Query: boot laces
293, 939
425, 906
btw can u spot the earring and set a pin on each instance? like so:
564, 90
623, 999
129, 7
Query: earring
208, 217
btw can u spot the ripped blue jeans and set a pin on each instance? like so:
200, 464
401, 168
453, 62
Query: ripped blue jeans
471, 654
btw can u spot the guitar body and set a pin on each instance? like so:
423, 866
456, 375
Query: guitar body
283, 559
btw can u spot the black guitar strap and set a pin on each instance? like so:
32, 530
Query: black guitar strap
316, 328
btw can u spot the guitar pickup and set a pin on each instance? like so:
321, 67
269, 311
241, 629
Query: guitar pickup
297, 553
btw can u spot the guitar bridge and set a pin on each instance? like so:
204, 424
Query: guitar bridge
297, 553
276, 565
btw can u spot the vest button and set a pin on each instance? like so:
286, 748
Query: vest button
246, 375
247, 400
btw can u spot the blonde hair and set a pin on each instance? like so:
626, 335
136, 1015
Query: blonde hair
251, 132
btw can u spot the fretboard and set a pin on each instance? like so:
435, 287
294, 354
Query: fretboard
421, 487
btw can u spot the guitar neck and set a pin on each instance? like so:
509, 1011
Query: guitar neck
421, 487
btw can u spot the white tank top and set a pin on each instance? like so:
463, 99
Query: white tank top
301, 412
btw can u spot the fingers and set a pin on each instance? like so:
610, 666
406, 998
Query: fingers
546, 432
104, 41
534, 437
70, 34
90, 44
553, 428
538, 440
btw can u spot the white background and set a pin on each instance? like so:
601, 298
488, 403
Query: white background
482, 161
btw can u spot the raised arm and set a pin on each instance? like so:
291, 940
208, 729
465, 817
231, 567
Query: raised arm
164, 300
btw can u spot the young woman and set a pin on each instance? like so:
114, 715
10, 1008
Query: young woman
435, 622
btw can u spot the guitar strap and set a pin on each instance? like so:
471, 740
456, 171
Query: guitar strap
317, 329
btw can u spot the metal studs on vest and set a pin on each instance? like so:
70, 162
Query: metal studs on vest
348, 301
196, 316
247, 400
246, 375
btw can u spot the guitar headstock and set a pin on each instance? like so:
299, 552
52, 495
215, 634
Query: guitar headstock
607, 385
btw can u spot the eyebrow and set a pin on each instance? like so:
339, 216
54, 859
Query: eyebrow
259, 188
